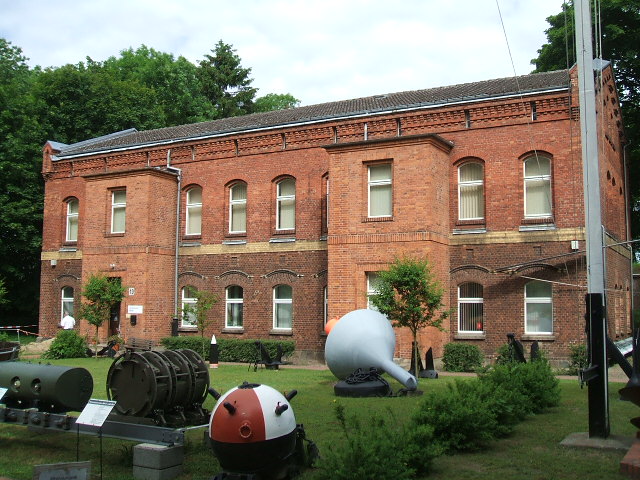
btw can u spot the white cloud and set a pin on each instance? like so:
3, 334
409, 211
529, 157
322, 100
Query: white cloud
317, 51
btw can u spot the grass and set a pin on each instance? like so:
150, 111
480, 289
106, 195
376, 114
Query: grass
533, 452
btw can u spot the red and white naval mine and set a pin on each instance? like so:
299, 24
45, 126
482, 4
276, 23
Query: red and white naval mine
252, 428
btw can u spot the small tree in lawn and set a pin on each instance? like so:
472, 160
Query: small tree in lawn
409, 295
101, 293
197, 312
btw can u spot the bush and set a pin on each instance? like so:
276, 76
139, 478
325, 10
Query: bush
503, 354
578, 358
4, 337
461, 357
230, 349
378, 448
67, 344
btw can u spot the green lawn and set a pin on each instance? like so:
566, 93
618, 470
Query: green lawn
533, 452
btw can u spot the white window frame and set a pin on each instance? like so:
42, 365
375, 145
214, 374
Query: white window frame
372, 277
379, 183
537, 178
229, 303
191, 322
281, 301
282, 199
479, 301
537, 301
325, 313
72, 220
234, 204
118, 207
191, 208
66, 300
470, 183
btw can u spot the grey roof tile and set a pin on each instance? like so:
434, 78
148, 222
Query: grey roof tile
333, 110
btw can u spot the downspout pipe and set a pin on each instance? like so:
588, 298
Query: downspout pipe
178, 173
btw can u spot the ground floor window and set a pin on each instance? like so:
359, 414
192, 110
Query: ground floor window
282, 307
373, 280
538, 307
470, 307
189, 301
67, 302
234, 307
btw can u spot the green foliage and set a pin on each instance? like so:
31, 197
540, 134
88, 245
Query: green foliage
230, 349
200, 310
462, 357
4, 337
275, 101
67, 344
3, 292
101, 293
379, 448
578, 358
503, 354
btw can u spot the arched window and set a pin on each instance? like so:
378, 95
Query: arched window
538, 307
234, 301
194, 211
470, 307
286, 204
471, 191
189, 301
72, 220
238, 208
537, 187
67, 302
282, 307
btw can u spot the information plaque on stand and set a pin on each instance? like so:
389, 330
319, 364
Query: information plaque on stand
95, 412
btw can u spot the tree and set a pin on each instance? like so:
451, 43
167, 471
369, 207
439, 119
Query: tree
620, 42
226, 83
101, 293
198, 311
409, 295
275, 101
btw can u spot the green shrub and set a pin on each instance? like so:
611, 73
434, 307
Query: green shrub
503, 354
4, 337
377, 448
578, 358
67, 344
534, 381
230, 349
461, 357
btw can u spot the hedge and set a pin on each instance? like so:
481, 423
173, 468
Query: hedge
230, 349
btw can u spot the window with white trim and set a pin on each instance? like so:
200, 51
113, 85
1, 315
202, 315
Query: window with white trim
538, 307
238, 208
470, 308
325, 315
373, 280
282, 307
193, 223
235, 302
72, 220
380, 190
286, 204
537, 187
471, 191
67, 302
189, 298
118, 211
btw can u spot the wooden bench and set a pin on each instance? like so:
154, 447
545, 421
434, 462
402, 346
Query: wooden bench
135, 344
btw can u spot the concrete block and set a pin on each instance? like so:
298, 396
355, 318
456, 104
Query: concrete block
144, 473
159, 457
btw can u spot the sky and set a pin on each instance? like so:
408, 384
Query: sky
318, 51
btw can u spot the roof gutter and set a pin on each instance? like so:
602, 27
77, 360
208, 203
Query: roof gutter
306, 122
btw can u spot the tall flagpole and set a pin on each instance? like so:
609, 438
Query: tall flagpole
595, 299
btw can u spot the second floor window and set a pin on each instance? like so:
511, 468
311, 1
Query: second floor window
238, 208
194, 211
72, 220
118, 211
537, 187
470, 192
286, 204
380, 198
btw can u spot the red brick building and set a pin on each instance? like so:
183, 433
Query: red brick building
288, 215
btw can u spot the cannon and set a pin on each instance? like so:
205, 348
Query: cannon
164, 388
361, 340
254, 435
47, 388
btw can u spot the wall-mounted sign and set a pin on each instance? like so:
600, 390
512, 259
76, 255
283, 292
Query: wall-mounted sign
134, 309
132, 291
